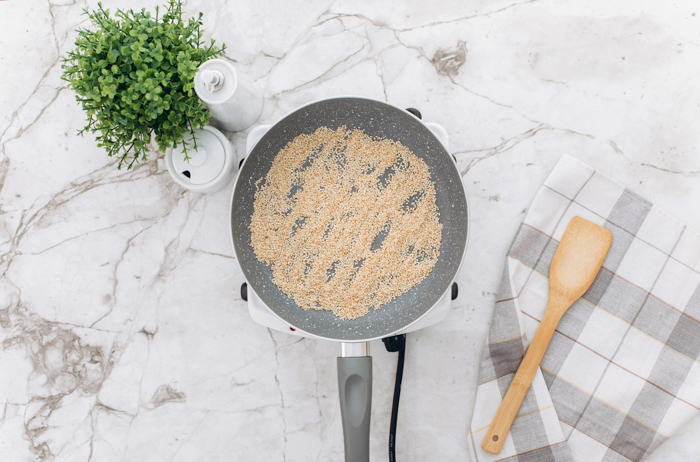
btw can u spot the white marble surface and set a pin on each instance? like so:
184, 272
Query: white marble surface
123, 334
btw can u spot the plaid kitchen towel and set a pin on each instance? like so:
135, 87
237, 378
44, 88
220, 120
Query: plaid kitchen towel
622, 373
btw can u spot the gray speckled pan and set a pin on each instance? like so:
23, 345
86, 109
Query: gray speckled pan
375, 118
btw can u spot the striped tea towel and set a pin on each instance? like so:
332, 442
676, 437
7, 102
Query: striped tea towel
622, 373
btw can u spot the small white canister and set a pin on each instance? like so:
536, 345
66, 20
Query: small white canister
210, 168
231, 98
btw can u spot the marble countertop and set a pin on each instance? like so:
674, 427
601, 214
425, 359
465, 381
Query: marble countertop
124, 337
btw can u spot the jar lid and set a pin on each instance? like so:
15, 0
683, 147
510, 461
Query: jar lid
215, 82
205, 163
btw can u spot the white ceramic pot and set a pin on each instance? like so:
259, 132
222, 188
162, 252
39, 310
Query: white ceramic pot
210, 168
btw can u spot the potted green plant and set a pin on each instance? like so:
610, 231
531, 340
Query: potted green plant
133, 76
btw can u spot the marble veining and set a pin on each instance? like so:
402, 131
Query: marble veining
123, 334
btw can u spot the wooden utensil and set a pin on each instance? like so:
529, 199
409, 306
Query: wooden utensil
576, 263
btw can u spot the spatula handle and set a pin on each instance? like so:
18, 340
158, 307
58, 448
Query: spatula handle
497, 432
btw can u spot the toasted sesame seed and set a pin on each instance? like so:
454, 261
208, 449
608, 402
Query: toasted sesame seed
346, 221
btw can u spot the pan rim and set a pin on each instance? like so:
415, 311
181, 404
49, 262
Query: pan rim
332, 339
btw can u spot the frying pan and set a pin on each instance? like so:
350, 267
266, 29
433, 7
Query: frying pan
375, 118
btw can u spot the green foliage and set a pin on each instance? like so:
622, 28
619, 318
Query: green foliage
133, 75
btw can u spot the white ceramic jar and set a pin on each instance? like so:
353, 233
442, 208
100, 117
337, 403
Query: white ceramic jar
231, 98
210, 168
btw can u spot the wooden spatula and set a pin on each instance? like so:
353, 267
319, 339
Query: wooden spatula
574, 267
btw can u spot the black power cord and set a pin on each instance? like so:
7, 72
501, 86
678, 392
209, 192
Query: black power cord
393, 344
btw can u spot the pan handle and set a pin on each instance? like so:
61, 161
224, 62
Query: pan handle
355, 387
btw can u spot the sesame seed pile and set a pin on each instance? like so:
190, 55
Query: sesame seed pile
347, 222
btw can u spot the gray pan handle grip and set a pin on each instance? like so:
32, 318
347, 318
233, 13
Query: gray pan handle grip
355, 386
